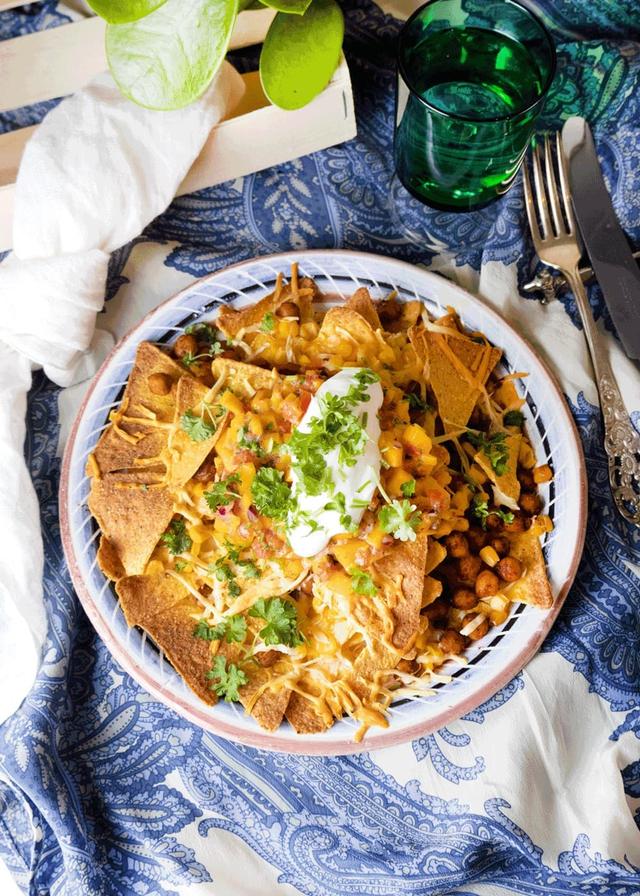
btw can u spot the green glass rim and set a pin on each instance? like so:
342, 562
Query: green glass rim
478, 119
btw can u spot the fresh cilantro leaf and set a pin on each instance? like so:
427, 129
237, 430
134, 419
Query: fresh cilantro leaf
408, 488
220, 493
226, 679
400, 519
176, 538
180, 565
361, 582
223, 572
196, 427
249, 569
250, 442
234, 589
493, 447
268, 323
233, 551
270, 493
281, 617
480, 510
513, 418
203, 332
416, 403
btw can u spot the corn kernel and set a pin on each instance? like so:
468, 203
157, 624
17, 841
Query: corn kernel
489, 556
542, 474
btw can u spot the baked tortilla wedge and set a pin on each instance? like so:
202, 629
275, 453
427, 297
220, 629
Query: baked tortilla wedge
533, 587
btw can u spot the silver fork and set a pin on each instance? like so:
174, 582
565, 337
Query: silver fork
555, 238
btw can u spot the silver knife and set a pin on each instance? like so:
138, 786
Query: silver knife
611, 258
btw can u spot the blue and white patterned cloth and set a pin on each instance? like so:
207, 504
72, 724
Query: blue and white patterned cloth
104, 791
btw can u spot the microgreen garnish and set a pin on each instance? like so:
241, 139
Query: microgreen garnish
270, 493
176, 538
221, 494
513, 418
493, 447
480, 510
226, 679
196, 427
281, 617
408, 488
268, 322
400, 519
361, 582
202, 331
249, 569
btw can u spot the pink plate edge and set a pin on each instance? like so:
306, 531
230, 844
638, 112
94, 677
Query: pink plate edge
263, 740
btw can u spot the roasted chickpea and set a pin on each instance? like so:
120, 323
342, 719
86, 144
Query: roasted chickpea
408, 666
487, 583
159, 383
464, 599
452, 642
509, 569
494, 523
530, 503
389, 310
500, 544
288, 309
437, 613
476, 537
480, 631
207, 470
185, 345
456, 545
468, 568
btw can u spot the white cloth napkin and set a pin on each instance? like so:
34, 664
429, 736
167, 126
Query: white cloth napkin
95, 173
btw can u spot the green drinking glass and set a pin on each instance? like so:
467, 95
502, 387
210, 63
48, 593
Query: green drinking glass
473, 76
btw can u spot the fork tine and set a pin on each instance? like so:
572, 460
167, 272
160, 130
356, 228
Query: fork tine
541, 196
529, 203
554, 199
564, 185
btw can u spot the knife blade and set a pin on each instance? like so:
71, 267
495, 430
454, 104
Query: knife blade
611, 258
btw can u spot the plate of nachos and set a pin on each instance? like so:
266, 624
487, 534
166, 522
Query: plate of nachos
323, 502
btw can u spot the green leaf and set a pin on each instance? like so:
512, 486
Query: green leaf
196, 427
226, 679
361, 582
167, 59
118, 11
291, 7
300, 54
400, 519
176, 538
281, 617
270, 493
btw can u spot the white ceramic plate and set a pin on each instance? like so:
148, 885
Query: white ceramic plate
493, 661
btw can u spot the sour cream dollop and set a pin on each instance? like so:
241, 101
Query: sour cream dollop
310, 525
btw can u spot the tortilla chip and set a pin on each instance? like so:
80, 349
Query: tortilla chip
132, 518
244, 378
164, 609
431, 591
508, 481
113, 452
361, 303
185, 455
339, 321
303, 716
533, 587
451, 364
406, 560
231, 321
109, 560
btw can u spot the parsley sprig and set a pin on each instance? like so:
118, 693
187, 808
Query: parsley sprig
480, 510
176, 538
226, 679
250, 442
232, 629
408, 488
513, 418
400, 519
221, 493
493, 447
281, 617
270, 493
197, 427
268, 323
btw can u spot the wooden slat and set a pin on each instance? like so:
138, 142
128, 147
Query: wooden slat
254, 136
52, 63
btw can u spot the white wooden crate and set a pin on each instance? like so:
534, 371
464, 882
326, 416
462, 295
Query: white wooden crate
255, 135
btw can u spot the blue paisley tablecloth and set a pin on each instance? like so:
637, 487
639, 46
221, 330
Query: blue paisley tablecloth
104, 791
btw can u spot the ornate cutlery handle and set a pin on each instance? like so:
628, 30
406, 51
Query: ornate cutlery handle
621, 439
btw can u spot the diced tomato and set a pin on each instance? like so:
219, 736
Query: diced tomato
437, 499
305, 400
